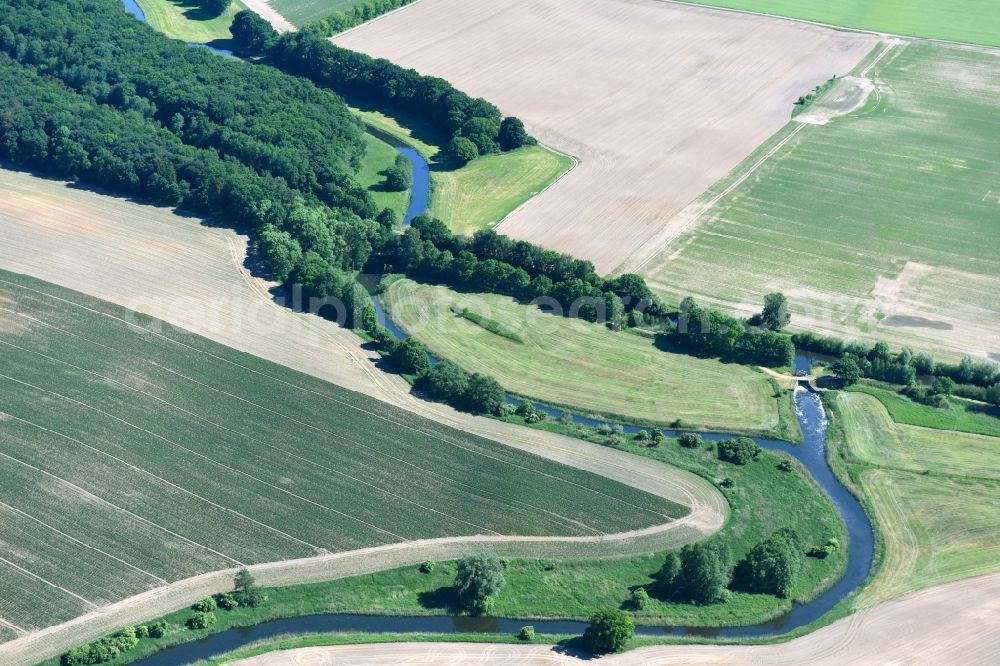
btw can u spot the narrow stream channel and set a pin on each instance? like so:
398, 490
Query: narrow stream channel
811, 453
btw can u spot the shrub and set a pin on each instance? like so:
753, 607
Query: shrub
831, 546
640, 598
398, 177
484, 395
739, 451
690, 440
228, 602
526, 634
247, 593
158, 629
608, 631
427, 567
727, 483
512, 134
410, 357
445, 381
699, 574
785, 466
201, 621
206, 605
846, 369
463, 150
771, 566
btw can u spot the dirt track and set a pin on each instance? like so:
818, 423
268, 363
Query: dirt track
191, 275
658, 101
951, 624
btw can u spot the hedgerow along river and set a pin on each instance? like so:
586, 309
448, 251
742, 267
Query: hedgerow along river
811, 453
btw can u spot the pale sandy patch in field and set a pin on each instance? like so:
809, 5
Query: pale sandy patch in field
658, 101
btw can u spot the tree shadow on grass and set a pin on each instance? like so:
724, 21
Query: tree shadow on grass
444, 598
193, 11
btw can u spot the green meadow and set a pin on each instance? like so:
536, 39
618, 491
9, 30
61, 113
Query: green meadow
972, 21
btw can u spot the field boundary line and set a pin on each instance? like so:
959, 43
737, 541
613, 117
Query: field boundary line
380, 16
575, 163
88, 602
672, 234
373, 415
81, 543
204, 457
101, 500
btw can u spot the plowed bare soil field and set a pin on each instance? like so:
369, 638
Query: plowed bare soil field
658, 101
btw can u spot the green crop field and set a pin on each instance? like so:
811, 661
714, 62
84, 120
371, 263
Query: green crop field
133, 453
973, 21
300, 12
185, 20
379, 156
486, 190
935, 494
574, 363
879, 224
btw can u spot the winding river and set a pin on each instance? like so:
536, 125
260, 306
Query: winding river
811, 453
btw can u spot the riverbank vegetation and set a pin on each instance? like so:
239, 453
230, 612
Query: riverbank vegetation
189, 21
765, 501
572, 362
932, 494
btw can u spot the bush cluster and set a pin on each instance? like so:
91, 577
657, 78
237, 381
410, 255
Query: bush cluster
110, 647
710, 332
739, 451
877, 362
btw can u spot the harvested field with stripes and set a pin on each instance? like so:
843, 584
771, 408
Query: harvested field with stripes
880, 224
656, 100
133, 454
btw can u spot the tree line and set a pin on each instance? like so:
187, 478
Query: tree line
969, 378
246, 593
471, 126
